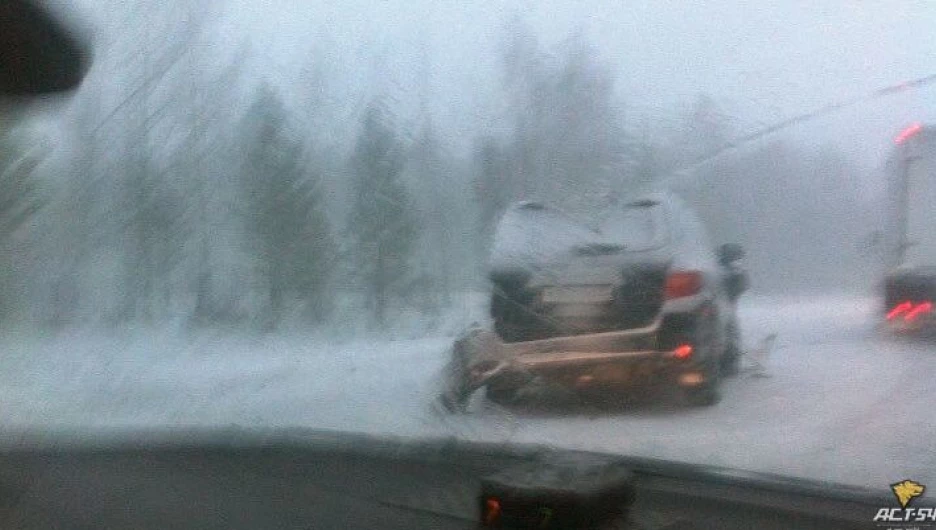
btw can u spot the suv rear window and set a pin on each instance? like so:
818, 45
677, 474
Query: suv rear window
636, 226
528, 234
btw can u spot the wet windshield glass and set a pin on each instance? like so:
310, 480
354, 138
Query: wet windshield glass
293, 214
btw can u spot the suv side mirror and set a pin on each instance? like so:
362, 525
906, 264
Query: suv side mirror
730, 253
736, 283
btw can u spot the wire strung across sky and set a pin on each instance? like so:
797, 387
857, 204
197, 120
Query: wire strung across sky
797, 120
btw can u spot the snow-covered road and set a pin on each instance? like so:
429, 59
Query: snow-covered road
842, 402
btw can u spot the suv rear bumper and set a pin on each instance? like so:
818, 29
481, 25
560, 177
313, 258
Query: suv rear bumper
633, 357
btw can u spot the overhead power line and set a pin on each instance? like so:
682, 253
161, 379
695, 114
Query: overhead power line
798, 120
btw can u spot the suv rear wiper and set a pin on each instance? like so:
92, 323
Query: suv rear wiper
599, 249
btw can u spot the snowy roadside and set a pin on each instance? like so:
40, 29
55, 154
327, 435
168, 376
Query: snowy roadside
841, 403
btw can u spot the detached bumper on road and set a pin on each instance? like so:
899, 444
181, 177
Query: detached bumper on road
599, 359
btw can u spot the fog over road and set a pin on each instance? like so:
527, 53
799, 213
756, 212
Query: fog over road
842, 401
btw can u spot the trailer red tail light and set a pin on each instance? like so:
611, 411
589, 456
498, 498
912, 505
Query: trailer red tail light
908, 133
682, 283
910, 311
920, 309
899, 309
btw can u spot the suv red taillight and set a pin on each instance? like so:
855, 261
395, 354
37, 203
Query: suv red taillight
682, 283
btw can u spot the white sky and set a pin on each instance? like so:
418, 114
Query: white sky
763, 61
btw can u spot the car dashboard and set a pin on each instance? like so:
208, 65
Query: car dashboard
309, 479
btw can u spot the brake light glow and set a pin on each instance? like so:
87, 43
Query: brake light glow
682, 283
899, 309
683, 351
925, 307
